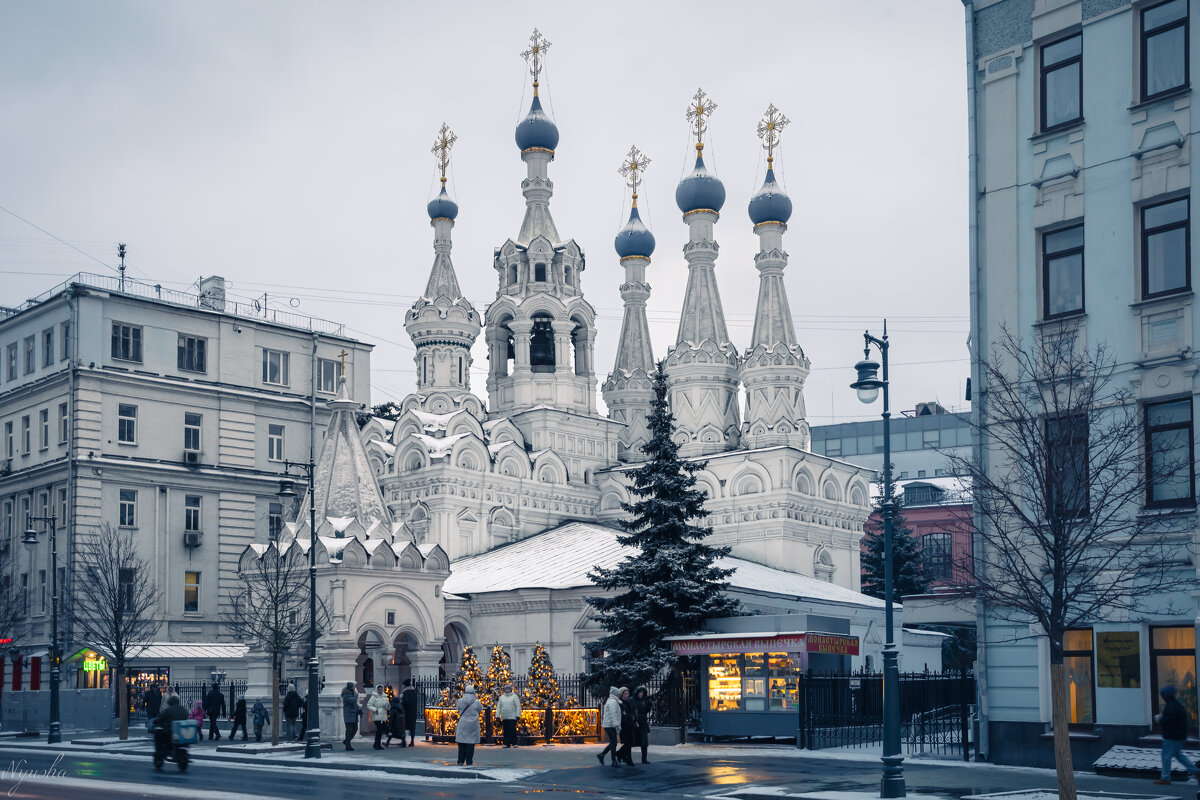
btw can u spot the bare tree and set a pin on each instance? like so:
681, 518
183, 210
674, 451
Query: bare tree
12, 601
1063, 474
118, 612
271, 610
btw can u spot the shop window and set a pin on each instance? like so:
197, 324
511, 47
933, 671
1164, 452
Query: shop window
725, 682
1119, 660
784, 676
1077, 658
1173, 663
754, 682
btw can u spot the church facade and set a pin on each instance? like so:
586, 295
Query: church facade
538, 470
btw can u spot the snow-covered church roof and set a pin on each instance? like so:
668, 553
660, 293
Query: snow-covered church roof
562, 557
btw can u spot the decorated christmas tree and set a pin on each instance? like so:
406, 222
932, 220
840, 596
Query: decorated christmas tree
468, 672
542, 691
499, 675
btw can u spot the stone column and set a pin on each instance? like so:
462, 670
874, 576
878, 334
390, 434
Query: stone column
339, 662
522, 332
562, 345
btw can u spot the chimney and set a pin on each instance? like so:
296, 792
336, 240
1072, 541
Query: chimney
212, 293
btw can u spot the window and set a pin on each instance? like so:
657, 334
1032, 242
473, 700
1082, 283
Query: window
274, 521
191, 591
12, 361
327, 371
125, 586
275, 443
275, 367
1170, 461
41, 591
191, 512
191, 431
1077, 658
127, 423
1166, 265
1062, 82
460, 369
64, 423
25, 593
8, 520
539, 273
25, 435
62, 510
1067, 467
931, 440
8, 439
1062, 272
1173, 663
127, 517
1164, 48
44, 428
193, 354
30, 355
26, 516
126, 342
48, 347
66, 340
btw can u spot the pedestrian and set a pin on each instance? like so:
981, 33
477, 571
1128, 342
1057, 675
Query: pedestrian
395, 721
641, 712
628, 726
509, 706
303, 717
168, 693
291, 710
261, 717
466, 733
152, 702
214, 706
378, 706
350, 712
610, 720
408, 699
1174, 722
197, 714
239, 719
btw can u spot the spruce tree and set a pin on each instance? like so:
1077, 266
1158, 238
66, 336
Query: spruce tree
542, 691
908, 570
467, 672
499, 675
671, 584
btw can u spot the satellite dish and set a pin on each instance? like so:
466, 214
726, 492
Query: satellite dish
294, 302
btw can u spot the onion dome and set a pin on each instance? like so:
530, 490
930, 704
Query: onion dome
700, 190
770, 203
536, 130
442, 207
635, 239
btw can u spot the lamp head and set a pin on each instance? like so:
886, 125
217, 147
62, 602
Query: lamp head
287, 489
30, 537
868, 383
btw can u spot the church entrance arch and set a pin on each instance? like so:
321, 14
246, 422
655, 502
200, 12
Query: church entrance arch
370, 651
456, 638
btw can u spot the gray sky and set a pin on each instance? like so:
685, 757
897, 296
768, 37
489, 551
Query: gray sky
285, 145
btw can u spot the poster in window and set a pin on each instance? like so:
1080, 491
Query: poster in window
1118, 660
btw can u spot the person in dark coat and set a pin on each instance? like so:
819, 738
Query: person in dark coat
303, 718
172, 712
350, 712
152, 702
408, 699
1174, 722
239, 719
641, 712
214, 707
628, 727
261, 718
395, 721
291, 710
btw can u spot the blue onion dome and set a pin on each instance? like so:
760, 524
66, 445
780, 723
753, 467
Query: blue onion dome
442, 206
700, 190
770, 203
635, 239
536, 130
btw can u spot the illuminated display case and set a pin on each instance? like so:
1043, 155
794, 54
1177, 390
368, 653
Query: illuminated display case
753, 682
784, 677
725, 682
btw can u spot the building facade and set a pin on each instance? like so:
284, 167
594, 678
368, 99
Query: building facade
1081, 172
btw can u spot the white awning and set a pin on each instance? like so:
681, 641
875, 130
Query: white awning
211, 651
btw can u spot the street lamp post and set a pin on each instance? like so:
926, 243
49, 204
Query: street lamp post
312, 742
868, 385
30, 538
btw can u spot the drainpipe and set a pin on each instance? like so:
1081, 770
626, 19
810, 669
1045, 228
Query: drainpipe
974, 343
72, 345
312, 404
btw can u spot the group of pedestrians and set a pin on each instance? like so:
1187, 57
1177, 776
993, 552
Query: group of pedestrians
628, 717
396, 716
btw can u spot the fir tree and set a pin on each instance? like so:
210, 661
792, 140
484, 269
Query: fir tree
542, 691
499, 675
468, 672
908, 570
672, 584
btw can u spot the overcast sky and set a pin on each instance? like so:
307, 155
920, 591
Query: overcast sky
285, 146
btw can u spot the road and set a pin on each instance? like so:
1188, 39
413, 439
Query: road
109, 776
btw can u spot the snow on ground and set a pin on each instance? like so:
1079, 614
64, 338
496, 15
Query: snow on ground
1050, 794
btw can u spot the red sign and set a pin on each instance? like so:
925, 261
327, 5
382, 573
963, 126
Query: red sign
835, 645
6, 641
784, 643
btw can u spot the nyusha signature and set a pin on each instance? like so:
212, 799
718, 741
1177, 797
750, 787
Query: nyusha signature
17, 773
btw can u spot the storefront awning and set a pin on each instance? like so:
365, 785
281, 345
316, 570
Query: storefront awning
799, 642
163, 651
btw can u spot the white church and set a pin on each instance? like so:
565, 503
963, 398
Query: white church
473, 522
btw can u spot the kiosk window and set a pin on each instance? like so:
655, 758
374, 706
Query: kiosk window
724, 683
784, 670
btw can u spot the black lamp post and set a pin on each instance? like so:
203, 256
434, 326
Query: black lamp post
30, 538
868, 385
287, 491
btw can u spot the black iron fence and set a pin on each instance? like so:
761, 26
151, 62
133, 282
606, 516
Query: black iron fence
191, 691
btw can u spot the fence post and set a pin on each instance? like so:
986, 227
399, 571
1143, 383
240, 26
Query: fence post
803, 731
962, 712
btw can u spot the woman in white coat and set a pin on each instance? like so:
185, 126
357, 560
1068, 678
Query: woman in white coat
466, 732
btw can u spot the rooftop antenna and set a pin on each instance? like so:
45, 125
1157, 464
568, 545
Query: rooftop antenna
121, 269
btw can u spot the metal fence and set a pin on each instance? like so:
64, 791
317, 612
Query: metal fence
191, 691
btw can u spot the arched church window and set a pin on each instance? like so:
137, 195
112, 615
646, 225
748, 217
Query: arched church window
567, 274
512, 274
541, 343
460, 369
539, 273
579, 348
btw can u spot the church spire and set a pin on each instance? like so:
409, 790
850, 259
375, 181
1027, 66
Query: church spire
703, 364
537, 136
629, 390
774, 367
442, 323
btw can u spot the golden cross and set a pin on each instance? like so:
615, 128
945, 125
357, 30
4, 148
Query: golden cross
441, 148
768, 130
698, 113
343, 355
631, 168
534, 55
